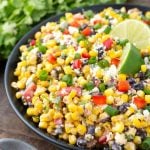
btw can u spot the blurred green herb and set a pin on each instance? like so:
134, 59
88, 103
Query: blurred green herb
18, 16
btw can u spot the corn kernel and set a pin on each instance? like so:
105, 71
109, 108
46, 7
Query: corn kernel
99, 73
51, 43
72, 107
140, 93
43, 125
86, 69
62, 84
122, 77
73, 131
147, 99
129, 146
80, 110
72, 139
75, 116
68, 60
49, 129
93, 53
109, 92
98, 131
143, 68
18, 95
124, 98
82, 81
35, 119
38, 105
129, 111
30, 111
137, 140
52, 88
88, 106
57, 115
92, 117
37, 35
48, 67
68, 70
72, 94
110, 100
60, 61
119, 127
81, 129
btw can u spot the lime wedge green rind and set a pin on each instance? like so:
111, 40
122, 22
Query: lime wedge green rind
137, 32
131, 60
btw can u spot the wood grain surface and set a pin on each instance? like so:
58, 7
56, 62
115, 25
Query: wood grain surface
12, 127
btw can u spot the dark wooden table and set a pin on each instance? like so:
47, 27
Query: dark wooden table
12, 127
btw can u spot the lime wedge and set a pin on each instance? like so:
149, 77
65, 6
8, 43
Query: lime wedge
131, 60
137, 32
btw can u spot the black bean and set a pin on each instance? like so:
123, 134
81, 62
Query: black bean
131, 81
138, 86
100, 54
85, 61
81, 142
39, 57
123, 108
91, 130
83, 26
116, 146
141, 75
141, 132
91, 144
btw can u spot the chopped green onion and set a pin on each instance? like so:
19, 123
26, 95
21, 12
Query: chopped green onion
107, 30
103, 63
111, 111
125, 15
146, 144
97, 26
43, 75
89, 14
77, 56
68, 79
42, 48
62, 47
92, 60
102, 87
89, 86
80, 38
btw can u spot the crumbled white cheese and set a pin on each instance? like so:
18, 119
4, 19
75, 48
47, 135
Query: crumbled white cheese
146, 113
120, 139
133, 106
72, 30
111, 72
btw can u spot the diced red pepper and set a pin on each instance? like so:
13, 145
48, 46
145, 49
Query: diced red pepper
97, 21
85, 55
115, 61
75, 24
108, 43
99, 99
123, 86
65, 91
52, 59
102, 139
32, 42
87, 31
139, 102
66, 31
77, 64
29, 92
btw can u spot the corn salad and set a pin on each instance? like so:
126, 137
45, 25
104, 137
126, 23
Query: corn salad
67, 76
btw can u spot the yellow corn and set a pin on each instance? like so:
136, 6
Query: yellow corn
35, 119
122, 77
18, 95
51, 43
73, 131
62, 84
75, 116
48, 67
109, 92
68, 60
86, 69
72, 139
37, 35
81, 129
80, 110
72, 94
58, 115
49, 129
99, 73
147, 99
110, 100
44, 118
30, 111
93, 53
81, 81
129, 111
60, 61
68, 70
143, 68
140, 93
98, 131
137, 140
43, 125
119, 127
124, 98
72, 107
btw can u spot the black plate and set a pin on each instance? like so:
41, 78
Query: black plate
11, 65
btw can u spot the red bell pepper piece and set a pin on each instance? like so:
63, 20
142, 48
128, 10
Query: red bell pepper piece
99, 99
85, 55
115, 61
102, 139
29, 92
87, 31
66, 31
75, 24
123, 86
52, 59
77, 64
97, 21
108, 43
32, 42
139, 102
